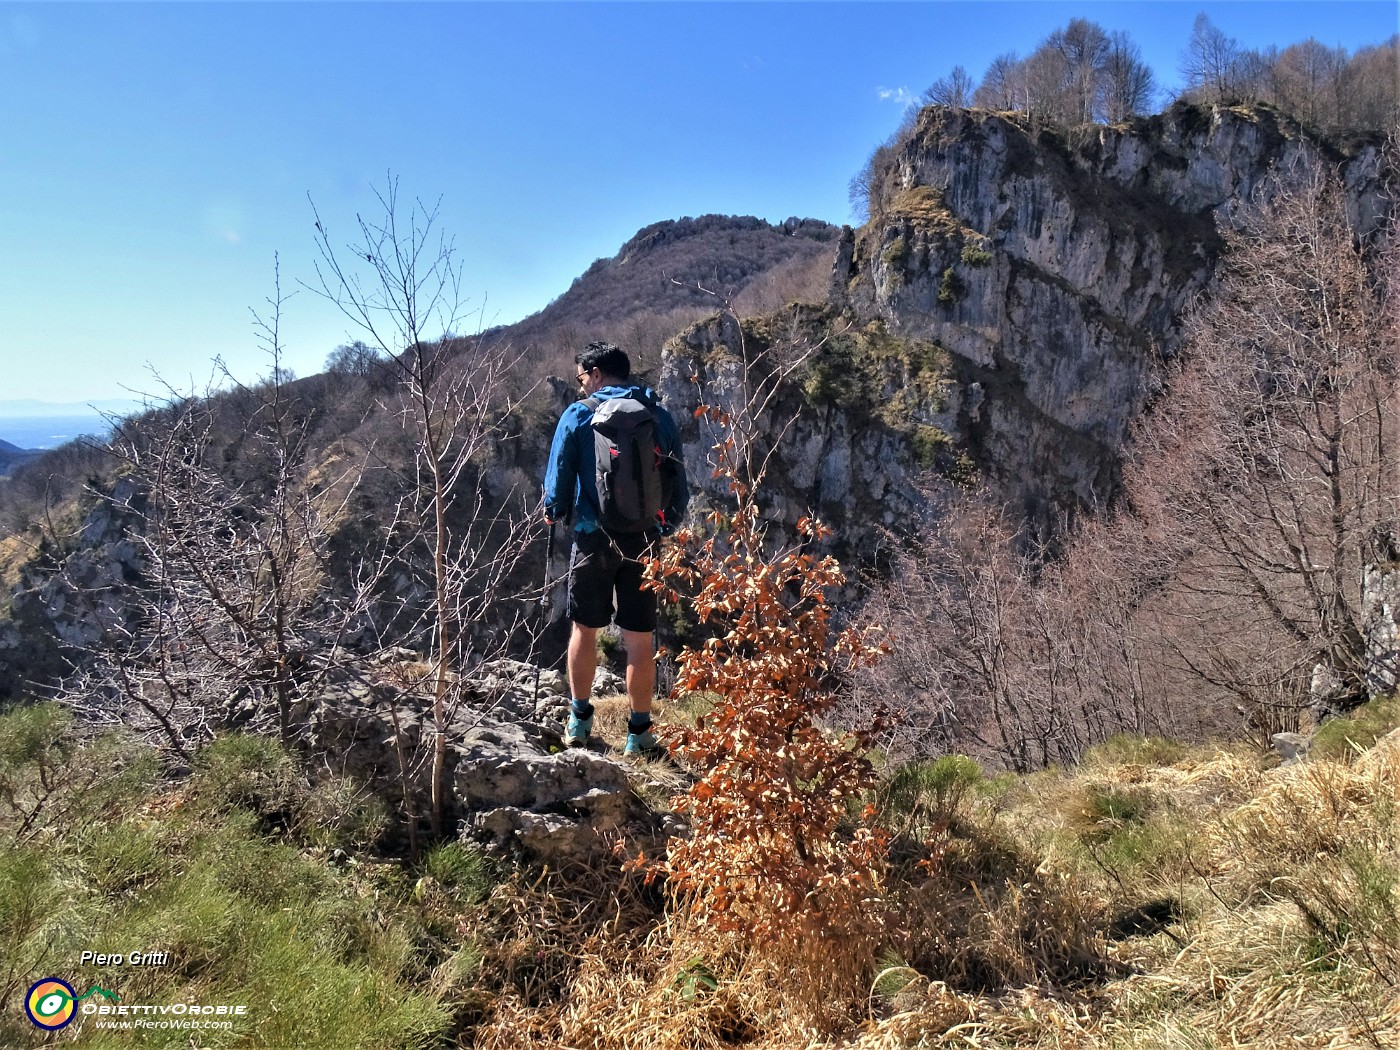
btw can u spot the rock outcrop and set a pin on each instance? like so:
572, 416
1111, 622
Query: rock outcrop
512, 787
849, 456
48, 615
1055, 266
1380, 613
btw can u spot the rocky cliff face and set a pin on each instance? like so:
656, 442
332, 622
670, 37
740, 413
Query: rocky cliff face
851, 418
1054, 267
58, 597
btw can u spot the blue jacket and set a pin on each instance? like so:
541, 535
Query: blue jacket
569, 480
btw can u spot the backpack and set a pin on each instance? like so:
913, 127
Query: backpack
632, 474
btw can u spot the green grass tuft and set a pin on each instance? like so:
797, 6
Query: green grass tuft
1131, 749
921, 797
460, 867
1116, 804
1357, 730
222, 874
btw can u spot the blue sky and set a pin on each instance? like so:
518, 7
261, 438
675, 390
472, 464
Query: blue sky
156, 157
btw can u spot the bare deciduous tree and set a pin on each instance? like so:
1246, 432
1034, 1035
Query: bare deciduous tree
1306, 78
234, 621
955, 90
403, 287
1226, 593
868, 187
1128, 86
1079, 73
1318, 85
1370, 87
1274, 460
357, 358
1003, 86
1000, 652
1083, 49
1210, 63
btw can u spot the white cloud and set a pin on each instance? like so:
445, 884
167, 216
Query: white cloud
901, 96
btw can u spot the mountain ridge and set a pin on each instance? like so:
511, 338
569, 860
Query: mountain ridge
674, 272
12, 455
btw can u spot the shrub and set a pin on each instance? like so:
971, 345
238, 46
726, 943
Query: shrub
895, 253
782, 848
928, 442
976, 255
950, 290
922, 797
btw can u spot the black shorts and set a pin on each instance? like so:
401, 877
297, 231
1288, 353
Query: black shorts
602, 563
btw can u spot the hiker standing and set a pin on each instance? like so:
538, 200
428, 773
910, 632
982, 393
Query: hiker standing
615, 472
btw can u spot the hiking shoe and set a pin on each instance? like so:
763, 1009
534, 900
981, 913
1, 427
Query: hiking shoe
643, 745
577, 730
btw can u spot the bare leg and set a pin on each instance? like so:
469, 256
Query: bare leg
641, 669
583, 661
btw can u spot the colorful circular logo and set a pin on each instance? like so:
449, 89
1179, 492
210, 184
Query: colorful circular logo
51, 1003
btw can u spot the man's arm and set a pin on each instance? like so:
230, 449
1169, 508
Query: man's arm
561, 472
670, 436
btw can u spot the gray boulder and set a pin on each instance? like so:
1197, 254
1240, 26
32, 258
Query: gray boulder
512, 785
1292, 746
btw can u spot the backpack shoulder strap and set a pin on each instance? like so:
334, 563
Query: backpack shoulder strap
591, 402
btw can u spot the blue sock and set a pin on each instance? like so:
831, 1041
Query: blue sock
580, 708
638, 723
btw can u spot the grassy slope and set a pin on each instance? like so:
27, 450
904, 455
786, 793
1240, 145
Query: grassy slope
1156, 897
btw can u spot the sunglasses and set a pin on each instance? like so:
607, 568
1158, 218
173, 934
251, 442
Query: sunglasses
583, 376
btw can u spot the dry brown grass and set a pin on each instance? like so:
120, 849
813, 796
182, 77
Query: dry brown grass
924, 207
15, 553
663, 984
1285, 880
610, 718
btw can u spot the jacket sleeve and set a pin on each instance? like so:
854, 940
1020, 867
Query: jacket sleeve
561, 472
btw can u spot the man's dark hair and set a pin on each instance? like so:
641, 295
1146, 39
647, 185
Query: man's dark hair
607, 358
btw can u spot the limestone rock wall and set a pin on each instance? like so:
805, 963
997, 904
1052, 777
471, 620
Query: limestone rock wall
841, 458
1055, 267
